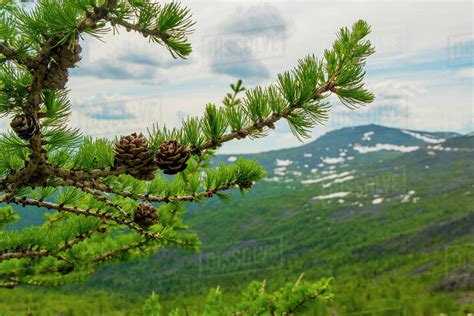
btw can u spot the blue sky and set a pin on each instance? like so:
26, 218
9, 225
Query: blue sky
422, 72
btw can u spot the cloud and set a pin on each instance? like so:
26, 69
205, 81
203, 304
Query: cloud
460, 50
102, 108
125, 57
106, 69
140, 59
147, 59
467, 72
246, 42
256, 20
392, 106
109, 116
249, 69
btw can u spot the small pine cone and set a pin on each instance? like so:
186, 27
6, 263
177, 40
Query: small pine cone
145, 215
246, 185
133, 152
172, 156
24, 126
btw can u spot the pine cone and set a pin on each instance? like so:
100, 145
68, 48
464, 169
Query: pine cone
172, 156
133, 152
145, 215
62, 58
24, 126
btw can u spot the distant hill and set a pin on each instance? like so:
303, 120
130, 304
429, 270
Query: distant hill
388, 212
364, 204
351, 144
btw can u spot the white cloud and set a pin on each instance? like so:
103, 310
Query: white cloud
467, 72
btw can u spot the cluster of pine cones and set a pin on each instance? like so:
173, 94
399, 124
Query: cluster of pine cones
134, 153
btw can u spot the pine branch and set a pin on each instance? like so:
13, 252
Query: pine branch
44, 252
175, 198
99, 197
22, 254
75, 210
117, 252
12, 54
89, 182
167, 24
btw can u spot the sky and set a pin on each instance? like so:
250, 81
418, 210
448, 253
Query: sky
421, 74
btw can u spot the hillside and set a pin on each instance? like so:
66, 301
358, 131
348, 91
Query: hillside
388, 212
405, 196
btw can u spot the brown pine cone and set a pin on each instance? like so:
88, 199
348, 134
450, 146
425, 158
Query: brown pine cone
24, 126
145, 215
133, 152
172, 156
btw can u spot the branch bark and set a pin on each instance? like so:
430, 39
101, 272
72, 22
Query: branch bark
12, 54
86, 212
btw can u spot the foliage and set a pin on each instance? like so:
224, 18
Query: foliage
290, 299
379, 280
92, 198
152, 306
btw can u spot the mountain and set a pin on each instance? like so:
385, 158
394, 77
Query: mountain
389, 213
348, 145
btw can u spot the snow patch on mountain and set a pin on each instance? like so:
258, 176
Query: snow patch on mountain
232, 159
367, 136
441, 148
338, 180
331, 196
426, 138
334, 160
330, 177
272, 179
281, 171
390, 147
406, 197
377, 201
283, 162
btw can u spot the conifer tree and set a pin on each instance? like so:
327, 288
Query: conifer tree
114, 200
